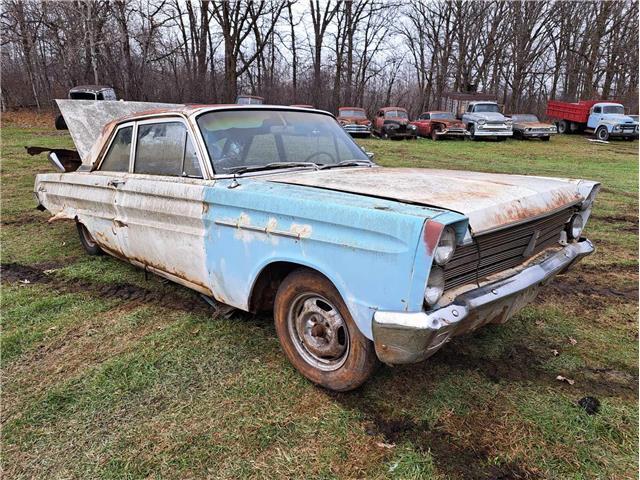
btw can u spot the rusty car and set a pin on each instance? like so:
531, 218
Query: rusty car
527, 125
393, 122
354, 120
438, 124
274, 208
86, 92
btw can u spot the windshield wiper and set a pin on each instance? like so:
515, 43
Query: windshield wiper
270, 166
348, 163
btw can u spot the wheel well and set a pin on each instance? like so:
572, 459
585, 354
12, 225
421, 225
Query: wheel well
266, 286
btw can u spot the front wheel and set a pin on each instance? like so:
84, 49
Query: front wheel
434, 134
87, 241
602, 134
318, 335
472, 132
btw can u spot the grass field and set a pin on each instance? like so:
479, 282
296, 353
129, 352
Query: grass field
108, 375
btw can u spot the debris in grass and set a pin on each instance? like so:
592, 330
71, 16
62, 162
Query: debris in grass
49, 272
24, 282
594, 140
555, 352
591, 405
572, 341
385, 445
393, 466
565, 379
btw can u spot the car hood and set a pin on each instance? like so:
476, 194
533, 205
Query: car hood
356, 120
533, 124
616, 119
490, 201
448, 123
490, 116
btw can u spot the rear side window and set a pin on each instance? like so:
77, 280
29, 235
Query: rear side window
596, 110
166, 149
117, 158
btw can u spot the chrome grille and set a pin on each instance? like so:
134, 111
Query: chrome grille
498, 251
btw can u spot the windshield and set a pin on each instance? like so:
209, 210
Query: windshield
396, 114
352, 113
613, 109
524, 117
487, 107
443, 116
261, 138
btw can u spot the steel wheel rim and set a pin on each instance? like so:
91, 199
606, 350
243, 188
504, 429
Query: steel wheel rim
318, 332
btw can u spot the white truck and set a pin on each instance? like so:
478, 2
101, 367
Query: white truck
484, 119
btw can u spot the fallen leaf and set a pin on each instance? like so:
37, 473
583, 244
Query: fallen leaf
49, 272
555, 352
385, 445
572, 341
565, 379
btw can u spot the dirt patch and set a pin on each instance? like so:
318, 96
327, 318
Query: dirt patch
20, 221
631, 221
35, 274
29, 118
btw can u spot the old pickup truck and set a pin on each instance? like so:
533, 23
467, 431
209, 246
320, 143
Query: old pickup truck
273, 208
484, 119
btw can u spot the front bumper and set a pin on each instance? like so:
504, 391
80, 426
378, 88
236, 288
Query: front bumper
452, 132
404, 337
355, 129
537, 134
490, 132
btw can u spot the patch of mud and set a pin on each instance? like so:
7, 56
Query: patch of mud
35, 274
631, 221
20, 221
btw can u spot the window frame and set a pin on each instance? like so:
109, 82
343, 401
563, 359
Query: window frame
195, 140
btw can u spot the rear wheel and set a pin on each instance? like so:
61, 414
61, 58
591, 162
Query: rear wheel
318, 335
87, 241
602, 134
563, 126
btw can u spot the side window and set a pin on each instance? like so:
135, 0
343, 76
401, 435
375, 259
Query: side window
597, 109
117, 158
165, 149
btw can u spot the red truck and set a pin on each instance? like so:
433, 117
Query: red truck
604, 119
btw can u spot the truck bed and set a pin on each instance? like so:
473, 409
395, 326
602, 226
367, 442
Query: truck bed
576, 112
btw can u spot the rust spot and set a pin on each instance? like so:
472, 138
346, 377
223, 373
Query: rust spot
432, 233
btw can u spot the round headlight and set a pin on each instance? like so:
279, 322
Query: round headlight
435, 286
481, 122
576, 224
446, 246
412, 127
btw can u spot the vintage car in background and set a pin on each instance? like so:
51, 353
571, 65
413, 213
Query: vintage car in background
485, 120
354, 120
527, 125
603, 119
393, 122
273, 208
438, 125
249, 100
86, 92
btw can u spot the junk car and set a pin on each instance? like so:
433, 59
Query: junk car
604, 119
87, 92
527, 125
273, 208
393, 122
439, 125
484, 119
354, 120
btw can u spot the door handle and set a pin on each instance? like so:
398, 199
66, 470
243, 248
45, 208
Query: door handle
115, 183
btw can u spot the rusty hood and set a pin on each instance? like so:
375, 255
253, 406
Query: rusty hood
490, 201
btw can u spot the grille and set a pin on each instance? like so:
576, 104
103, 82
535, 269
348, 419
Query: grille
502, 250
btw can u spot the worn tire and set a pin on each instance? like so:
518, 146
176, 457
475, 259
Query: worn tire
434, 137
359, 360
602, 134
87, 241
472, 132
563, 126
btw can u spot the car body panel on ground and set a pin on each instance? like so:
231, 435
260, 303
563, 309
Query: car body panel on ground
197, 194
438, 124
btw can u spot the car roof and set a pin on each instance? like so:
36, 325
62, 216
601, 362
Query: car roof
350, 108
90, 88
386, 109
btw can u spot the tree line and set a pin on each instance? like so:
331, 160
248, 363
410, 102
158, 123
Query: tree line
326, 53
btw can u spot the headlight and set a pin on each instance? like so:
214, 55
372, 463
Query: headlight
435, 286
617, 128
576, 224
412, 127
481, 122
446, 246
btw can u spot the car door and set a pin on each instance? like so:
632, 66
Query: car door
160, 207
594, 117
96, 191
424, 125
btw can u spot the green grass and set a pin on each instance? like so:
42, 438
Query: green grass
100, 385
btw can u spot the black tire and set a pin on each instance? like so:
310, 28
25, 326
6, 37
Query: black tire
563, 126
385, 135
87, 241
602, 134
434, 134
545, 139
472, 132
60, 123
330, 350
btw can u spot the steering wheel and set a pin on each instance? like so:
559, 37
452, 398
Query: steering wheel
316, 154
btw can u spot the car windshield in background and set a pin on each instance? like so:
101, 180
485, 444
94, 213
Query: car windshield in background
525, 118
487, 107
613, 109
396, 114
442, 116
253, 139
352, 113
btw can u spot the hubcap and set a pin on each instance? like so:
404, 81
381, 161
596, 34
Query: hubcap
318, 331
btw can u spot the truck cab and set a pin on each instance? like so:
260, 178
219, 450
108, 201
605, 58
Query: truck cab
484, 119
609, 120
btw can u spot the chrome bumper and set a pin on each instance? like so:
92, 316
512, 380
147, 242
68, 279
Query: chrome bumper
480, 132
404, 337
452, 133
